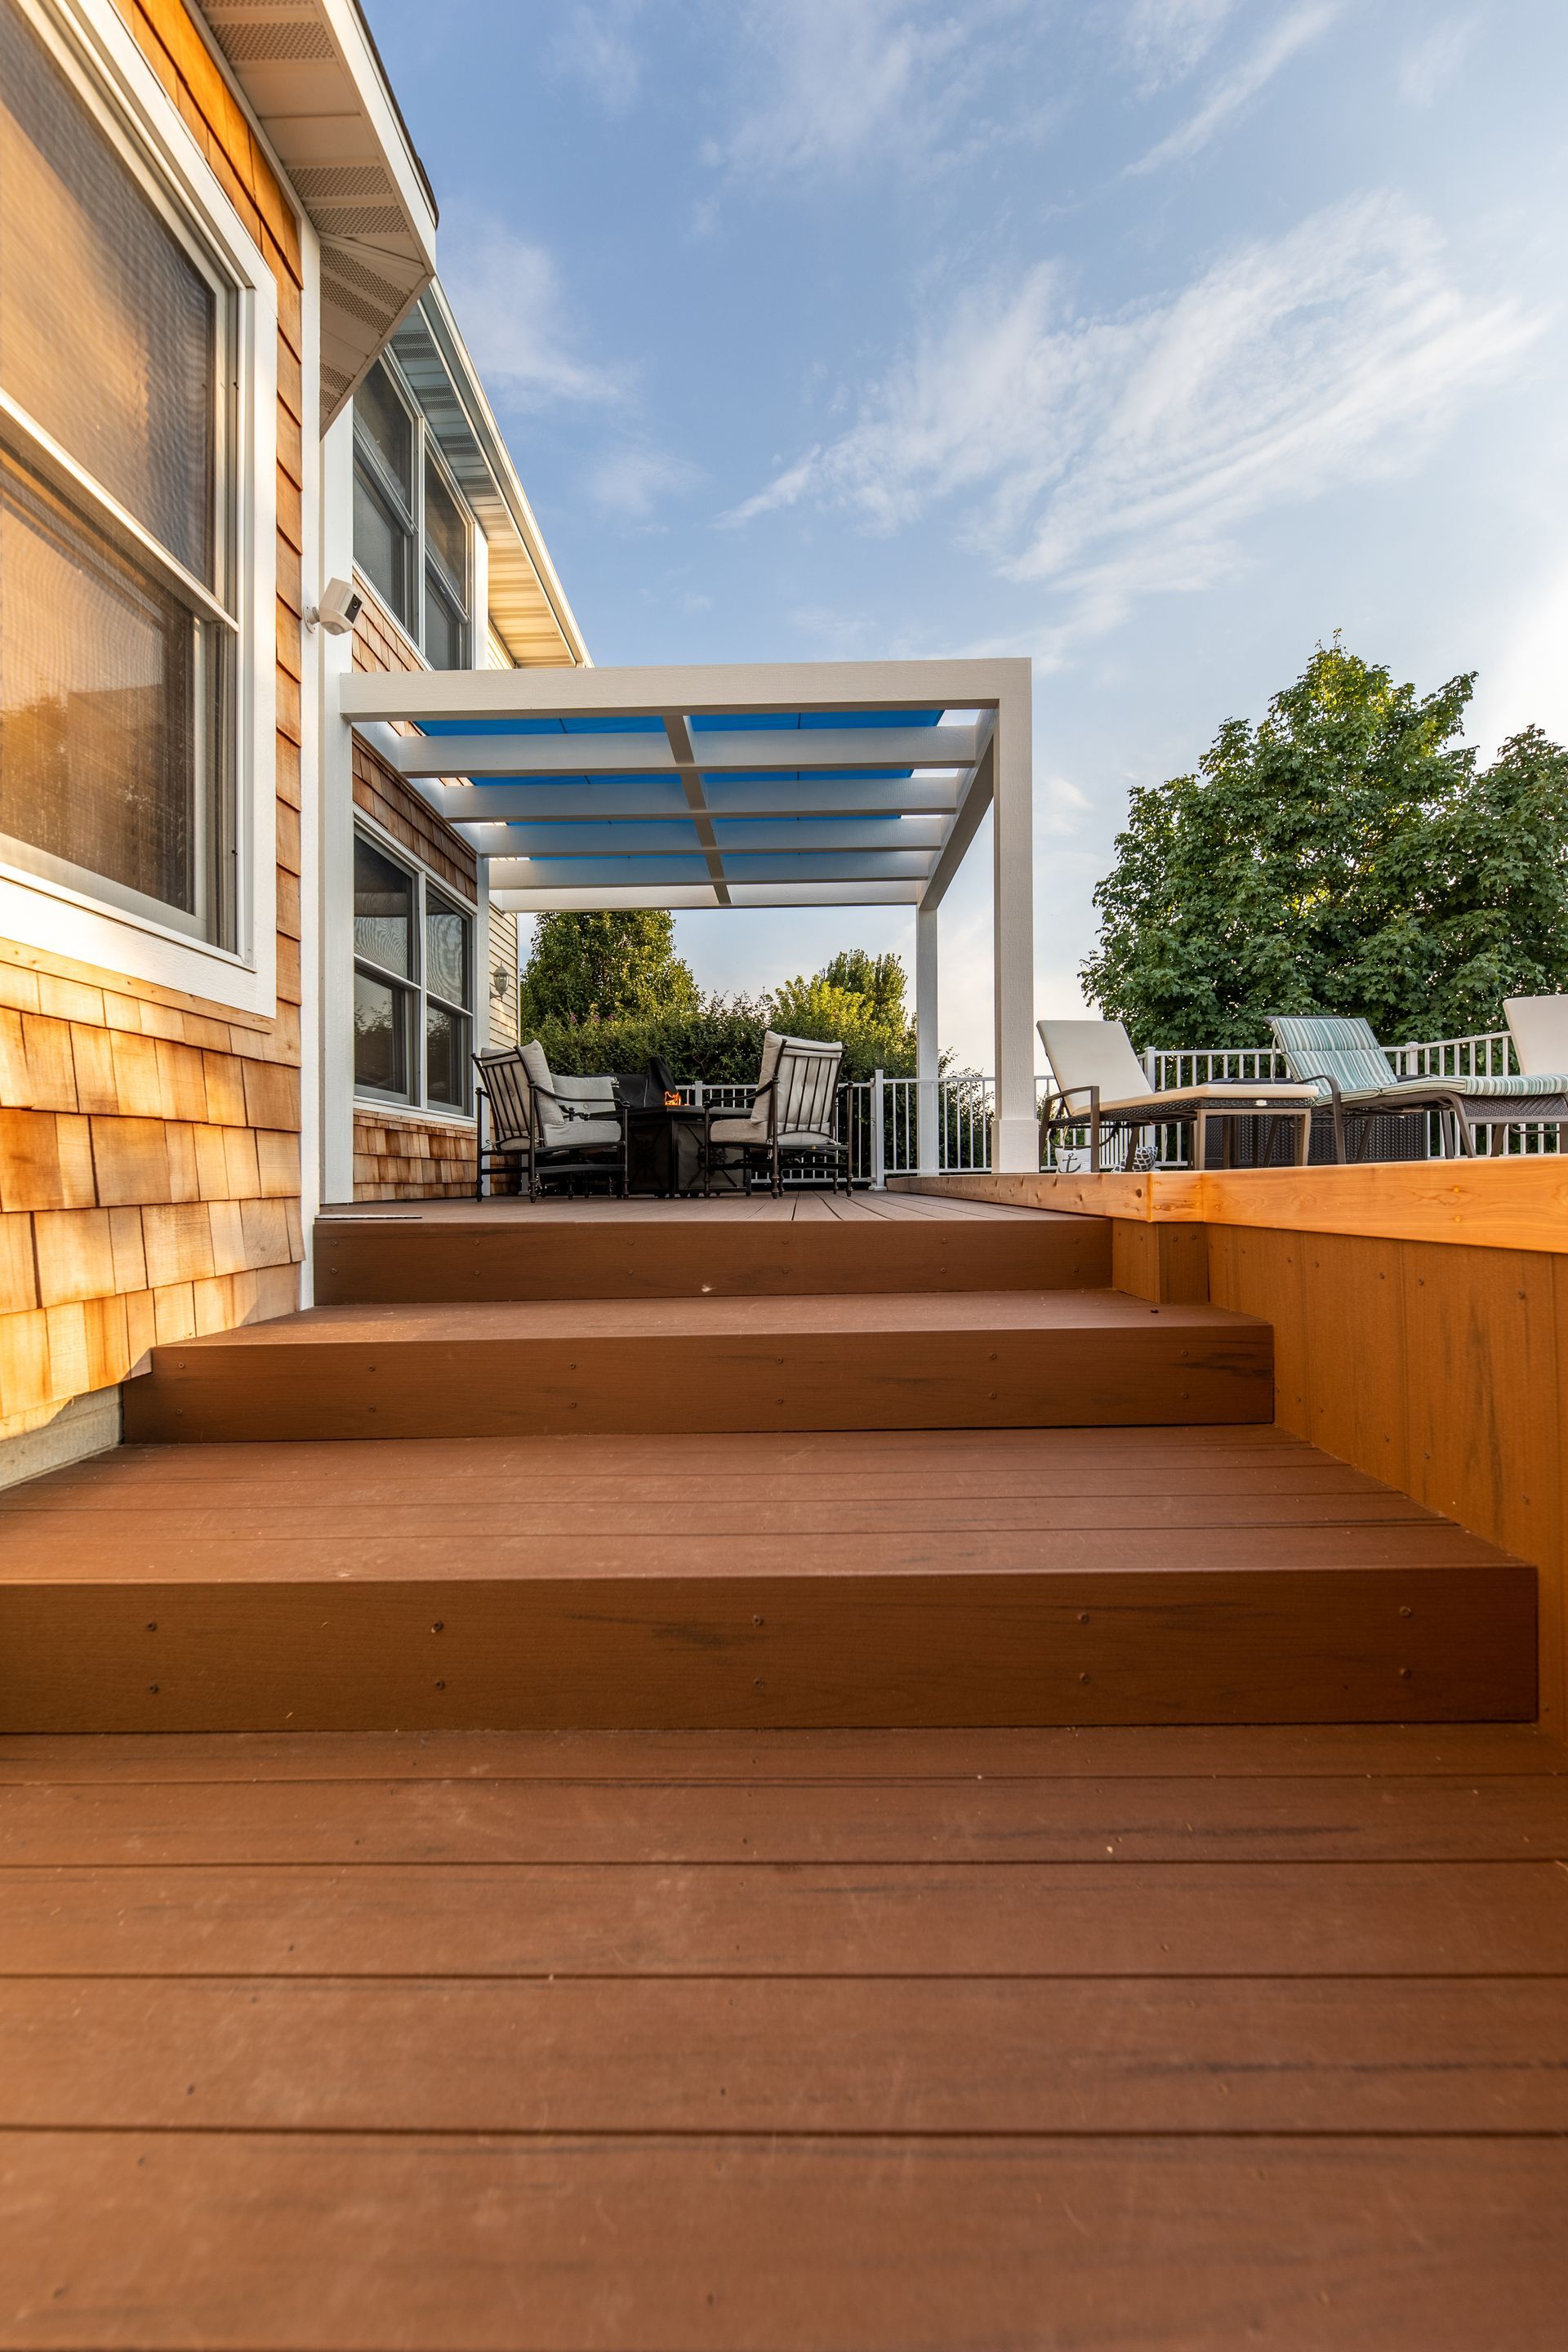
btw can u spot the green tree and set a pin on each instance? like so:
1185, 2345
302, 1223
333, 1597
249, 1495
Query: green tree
605, 966
1345, 855
858, 1001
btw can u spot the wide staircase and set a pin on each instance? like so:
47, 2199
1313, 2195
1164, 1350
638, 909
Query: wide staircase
523, 1470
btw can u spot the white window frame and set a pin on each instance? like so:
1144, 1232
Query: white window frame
415, 1103
424, 449
102, 925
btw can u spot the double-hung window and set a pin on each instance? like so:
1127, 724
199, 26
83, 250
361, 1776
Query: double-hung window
414, 985
413, 537
119, 625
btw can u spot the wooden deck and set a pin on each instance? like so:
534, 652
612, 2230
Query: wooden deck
1187, 2040
830, 2011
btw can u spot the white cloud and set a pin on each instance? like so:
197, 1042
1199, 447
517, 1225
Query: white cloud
592, 46
829, 85
1293, 33
506, 295
1162, 40
1108, 456
631, 480
1432, 63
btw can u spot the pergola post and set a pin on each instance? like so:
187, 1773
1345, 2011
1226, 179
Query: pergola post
1016, 1132
926, 1047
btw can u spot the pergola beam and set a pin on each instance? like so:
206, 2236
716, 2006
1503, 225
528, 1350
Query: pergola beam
640, 802
850, 750
790, 837
880, 866
731, 689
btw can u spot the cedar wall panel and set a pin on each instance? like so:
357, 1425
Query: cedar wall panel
398, 1156
1439, 1367
149, 1141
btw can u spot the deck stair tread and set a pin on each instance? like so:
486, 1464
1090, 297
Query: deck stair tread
898, 1359
1056, 1312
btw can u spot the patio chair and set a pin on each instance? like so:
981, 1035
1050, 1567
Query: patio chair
1357, 1078
794, 1112
1100, 1084
550, 1126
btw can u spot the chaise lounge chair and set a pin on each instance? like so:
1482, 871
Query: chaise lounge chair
1100, 1084
1358, 1079
793, 1111
549, 1126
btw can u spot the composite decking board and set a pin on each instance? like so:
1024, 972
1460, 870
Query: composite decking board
787, 2055
90, 1549
655, 1365
1003, 1822
832, 1919
755, 1208
1174, 1753
1065, 1315
488, 1260
891, 2245
494, 1519
264, 1637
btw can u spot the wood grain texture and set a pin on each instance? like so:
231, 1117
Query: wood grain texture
787, 2054
121, 1095
1002, 1822
1439, 1367
1455, 1751
467, 2245
1518, 1203
520, 1256
984, 1358
866, 1919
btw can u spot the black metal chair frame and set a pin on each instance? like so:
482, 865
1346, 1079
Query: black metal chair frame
540, 1157
768, 1151
1406, 1100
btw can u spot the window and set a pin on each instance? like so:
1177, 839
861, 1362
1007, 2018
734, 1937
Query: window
119, 630
414, 987
412, 532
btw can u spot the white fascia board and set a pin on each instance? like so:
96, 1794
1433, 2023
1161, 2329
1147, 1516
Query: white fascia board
710, 690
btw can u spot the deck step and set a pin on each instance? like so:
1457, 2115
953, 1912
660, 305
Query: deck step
504, 1250
922, 1360
1204, 1575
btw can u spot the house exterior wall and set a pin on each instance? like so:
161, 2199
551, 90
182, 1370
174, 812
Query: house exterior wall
399, 1155
149, 1139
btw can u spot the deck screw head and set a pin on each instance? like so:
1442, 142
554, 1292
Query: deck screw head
152, 1624
1083, 1678
440, 1626
440, 1686
1404, 1674
1405, 1610
1083, 1616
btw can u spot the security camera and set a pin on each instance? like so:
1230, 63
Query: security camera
338, 610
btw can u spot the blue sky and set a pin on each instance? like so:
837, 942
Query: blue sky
1153, 338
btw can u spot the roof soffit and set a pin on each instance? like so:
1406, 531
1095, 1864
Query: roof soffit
311, 74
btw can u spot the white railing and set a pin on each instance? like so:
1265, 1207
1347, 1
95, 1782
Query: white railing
1182, 1065
1489, 1055
883, 1114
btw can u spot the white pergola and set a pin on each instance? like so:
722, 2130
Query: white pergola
775, 784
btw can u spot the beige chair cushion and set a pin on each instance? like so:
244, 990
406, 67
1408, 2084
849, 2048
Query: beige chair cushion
1539, 1027
753, 1128
560, 1132
1084, 1053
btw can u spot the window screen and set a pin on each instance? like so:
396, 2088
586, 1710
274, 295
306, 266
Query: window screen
117, 677
107, 327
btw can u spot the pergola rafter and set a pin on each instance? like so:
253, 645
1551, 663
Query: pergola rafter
814, 784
